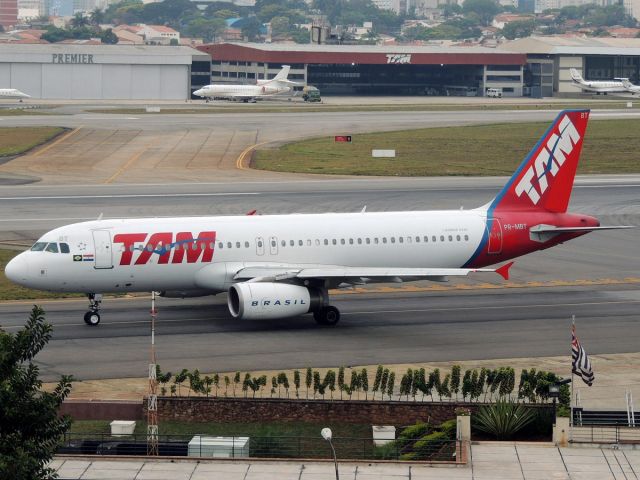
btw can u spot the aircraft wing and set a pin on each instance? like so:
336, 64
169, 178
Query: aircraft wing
359, 275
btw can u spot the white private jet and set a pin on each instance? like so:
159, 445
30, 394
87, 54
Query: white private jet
280, 266
248, 93
630, 87
13, 93
598, 86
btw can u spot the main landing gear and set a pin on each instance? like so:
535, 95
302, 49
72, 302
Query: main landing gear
92, 317
327, 316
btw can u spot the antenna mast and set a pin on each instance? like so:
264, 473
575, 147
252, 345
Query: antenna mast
152, 399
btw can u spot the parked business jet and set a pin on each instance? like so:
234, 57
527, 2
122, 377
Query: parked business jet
598, 86
13, 93
280, 266
248, 93
630, 87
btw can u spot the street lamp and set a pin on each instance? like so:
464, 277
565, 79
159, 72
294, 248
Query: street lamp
554, 392
326, 434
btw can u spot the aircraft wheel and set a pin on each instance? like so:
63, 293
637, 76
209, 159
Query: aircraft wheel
92, 318
327, 316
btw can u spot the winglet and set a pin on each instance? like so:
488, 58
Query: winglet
251, 212
503, 271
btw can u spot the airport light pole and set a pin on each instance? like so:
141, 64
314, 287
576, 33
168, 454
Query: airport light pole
152, 399
326, 434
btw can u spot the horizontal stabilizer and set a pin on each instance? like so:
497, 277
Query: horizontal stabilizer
552, 229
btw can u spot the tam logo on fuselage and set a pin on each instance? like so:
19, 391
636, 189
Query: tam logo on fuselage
550, 159
184, 247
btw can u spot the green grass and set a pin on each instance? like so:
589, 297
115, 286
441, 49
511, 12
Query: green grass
16, 112
17, 140
610, 146
281, 429
297, 106
11, 291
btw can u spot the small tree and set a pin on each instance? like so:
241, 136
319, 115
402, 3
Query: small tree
207, 381
354, 385
179, 380
216, 383
455, 380
308, 380
227, 382
330, 381
316, 383
391, 384
341, 381
163, 379
383, 382
246, 384
434, 383
30, 427
236, 381
364, 382
296, 382
274, 385
377, 381
466, 385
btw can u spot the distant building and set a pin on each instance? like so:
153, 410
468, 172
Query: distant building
159, 34
632, 7
8, 13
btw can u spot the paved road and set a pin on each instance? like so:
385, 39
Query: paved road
391, 328
204, 147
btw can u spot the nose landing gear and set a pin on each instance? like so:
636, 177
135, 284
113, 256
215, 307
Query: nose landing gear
92, 317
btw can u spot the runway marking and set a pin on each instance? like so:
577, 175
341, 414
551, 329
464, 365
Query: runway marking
56, 142
124, 167
240, 160
137, 195
363, 312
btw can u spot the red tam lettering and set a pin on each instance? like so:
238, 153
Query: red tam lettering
160, 243
129, 240
202, 246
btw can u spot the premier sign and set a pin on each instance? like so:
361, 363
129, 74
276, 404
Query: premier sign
71, 58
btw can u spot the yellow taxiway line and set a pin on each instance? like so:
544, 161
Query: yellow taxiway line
126, 166
243, 154
56, 142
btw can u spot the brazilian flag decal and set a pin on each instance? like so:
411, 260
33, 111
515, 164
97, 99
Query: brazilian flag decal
77, 258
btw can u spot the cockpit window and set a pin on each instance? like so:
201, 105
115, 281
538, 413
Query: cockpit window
38, 246
64, 248
52, 247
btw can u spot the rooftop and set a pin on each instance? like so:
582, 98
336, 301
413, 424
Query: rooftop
575, 45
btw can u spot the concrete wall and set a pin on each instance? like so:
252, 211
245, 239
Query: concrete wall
97, 81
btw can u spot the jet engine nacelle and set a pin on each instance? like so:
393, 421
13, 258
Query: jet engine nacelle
258, 300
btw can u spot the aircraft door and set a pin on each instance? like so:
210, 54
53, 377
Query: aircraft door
273, 245
103, 249
259, 246
495, 236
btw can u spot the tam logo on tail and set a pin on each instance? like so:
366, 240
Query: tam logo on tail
545, 178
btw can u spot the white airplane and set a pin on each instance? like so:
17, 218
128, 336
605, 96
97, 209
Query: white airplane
13, 93
630, 87
598, 86
248, 93
280, 266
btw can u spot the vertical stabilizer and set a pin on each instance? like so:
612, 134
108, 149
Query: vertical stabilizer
545, 177
282, 74
575, 75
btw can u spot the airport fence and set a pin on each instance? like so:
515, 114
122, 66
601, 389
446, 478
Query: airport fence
261, 447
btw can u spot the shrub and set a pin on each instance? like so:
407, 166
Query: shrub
429, 444
449, 428
503, 419
415, 431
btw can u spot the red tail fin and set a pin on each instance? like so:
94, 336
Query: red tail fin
544, 180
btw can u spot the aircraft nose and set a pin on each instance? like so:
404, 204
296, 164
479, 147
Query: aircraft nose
198, 92
17, 269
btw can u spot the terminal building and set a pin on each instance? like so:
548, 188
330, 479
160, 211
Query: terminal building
550, 58
371, 70
103, 72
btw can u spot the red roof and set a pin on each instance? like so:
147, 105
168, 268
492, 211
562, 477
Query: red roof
360, 55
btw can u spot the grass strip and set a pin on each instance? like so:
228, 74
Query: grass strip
18, 140
610, 146
294, 107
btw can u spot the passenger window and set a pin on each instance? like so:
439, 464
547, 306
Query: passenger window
367, 240
194, 246
273, 243
442, 238
450, 238
426, 239
326, 242
433, 238
237, 244
334, 241
52, 247
466, 238
401, 239
229, 245
317, 241
375, 240
64, 248
38, 246
220, 244
359, 241
283, 243
393, 239
351, 241
342, 241
260, 243
292, 243
149, 247
458, 237
246, 244
417, 239
384, 239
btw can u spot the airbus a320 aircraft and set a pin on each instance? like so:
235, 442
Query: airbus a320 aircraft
264, 88
598, 86
281, 266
